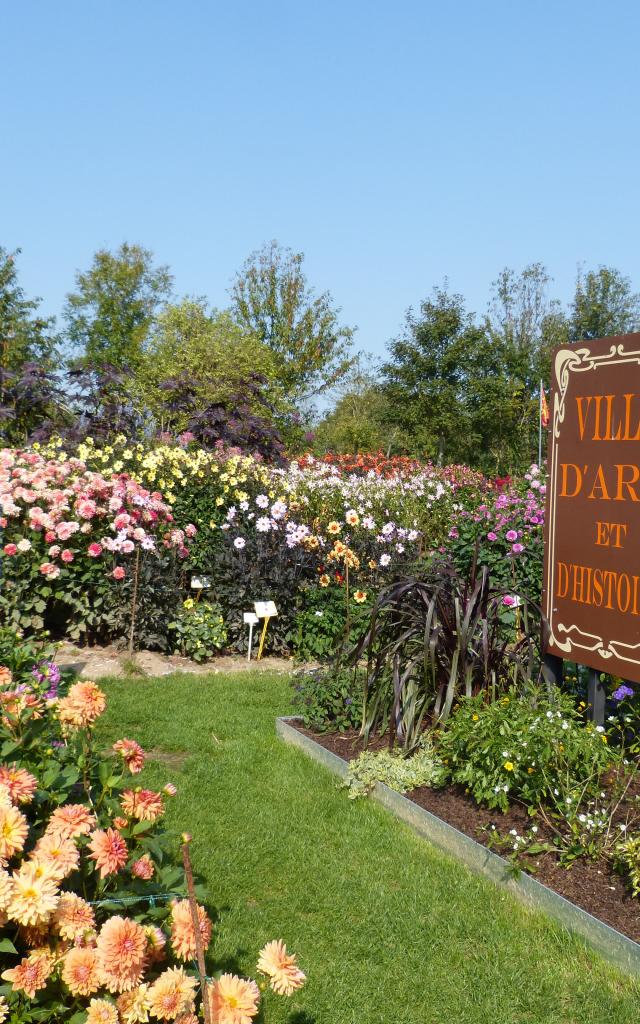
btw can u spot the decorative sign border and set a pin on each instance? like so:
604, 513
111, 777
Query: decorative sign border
571, 640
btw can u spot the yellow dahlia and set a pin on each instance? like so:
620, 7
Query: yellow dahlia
172, 994
20, 783
281, 968
99, 1011
31, 974
73, 917
233, 1000
81, 971
13, 832
108, 850
60, 856
4, 1009
121, 947
6, 889
34, 898
134, 1006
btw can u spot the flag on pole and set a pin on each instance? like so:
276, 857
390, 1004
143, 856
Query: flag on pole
544, 408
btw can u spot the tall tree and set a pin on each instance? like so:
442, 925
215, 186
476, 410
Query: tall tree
111, 312
424, 379
29, 387
272, 299
360, 419
603, 304
205, 346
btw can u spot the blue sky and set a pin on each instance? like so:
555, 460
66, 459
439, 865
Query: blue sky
394, 143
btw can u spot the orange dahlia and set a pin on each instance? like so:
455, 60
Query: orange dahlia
143, 868
20, 783
6, 677
143, 804
131, 753
81, 971
109, 851
233, 1000
281, 968
121, 946
99, 1011
183, 936
71, 821
73, 917
31, 974
83, 704
172, 994
13, 832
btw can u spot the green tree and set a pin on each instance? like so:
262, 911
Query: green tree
603, 305
29, 386
110, 314
204, 345
424, 380
272, 300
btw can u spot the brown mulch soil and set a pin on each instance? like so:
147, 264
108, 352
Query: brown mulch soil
591, 885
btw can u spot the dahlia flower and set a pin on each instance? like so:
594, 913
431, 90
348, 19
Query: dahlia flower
233, 1000
6, 888
71, 821
143, 804
13, 832
4, 1009
143, 868
121, 946
134, 1006
83, 704
284, 974
99, 1011
172, 994
108, 850
31, 974
156, 942
57, 855
73, 916
183, 937
34, 896
132, 754
81, 971
20, 783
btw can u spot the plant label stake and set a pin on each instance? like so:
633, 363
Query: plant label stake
264, 610
250, 620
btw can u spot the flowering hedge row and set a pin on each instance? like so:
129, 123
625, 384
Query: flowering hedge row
94, 923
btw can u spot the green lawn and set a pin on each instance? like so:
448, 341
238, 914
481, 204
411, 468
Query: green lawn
388, 930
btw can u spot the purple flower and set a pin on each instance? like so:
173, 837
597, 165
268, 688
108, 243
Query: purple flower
511, 535
492, 536
622, 692
517, 549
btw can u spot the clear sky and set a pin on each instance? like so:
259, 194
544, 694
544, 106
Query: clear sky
394, 143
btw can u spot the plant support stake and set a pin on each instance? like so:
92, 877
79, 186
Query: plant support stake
134, 599
186, 860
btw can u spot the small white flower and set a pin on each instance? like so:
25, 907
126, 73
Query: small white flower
239, 543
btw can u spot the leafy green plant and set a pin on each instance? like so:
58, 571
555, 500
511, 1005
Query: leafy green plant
527, 745
329, 700
395, 770
434, 639
199, 629
321, 619
627, 860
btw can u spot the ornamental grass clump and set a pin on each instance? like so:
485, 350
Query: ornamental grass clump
96, 922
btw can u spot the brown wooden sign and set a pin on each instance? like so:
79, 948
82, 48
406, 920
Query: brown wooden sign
591, 594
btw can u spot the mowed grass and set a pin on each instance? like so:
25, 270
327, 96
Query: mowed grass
388, 930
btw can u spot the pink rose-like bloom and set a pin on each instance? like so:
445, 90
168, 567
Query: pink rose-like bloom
509, 600
190, 530
49, 537
10, 549
492, 536
67, 556
52, 571
143, 868
86, 508
118, 573
517, 549
122, 521
511, 535
95, 550
128, 546
54, 551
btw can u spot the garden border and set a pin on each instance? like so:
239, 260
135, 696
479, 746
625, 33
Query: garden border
615, 947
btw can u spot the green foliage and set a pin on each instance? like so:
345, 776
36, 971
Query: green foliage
111, 312
395, 770
198, 629
603, 305
521, 746
273, 301
329, 700
320, 623
628, 861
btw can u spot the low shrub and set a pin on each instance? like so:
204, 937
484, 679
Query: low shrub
329, 700
198, 630
525, 746
320, 625
395, 770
